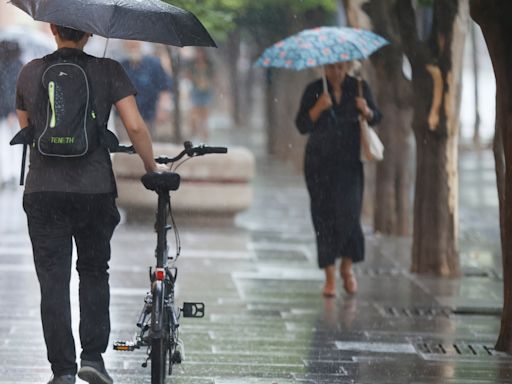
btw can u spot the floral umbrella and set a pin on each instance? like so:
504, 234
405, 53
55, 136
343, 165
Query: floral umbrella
319, 46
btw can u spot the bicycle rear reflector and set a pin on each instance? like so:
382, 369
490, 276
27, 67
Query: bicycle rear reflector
160, 274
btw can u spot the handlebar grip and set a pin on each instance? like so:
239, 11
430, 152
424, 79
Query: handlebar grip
192, 152
216, 150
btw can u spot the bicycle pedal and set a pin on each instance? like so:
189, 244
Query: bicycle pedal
193, 310
126, 346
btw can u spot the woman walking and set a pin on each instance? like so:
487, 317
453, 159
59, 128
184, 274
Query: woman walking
334, 171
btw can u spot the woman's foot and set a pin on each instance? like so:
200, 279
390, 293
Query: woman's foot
329, 291
330, 282
350, 283
349, 280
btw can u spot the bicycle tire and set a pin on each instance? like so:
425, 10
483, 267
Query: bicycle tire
159, 335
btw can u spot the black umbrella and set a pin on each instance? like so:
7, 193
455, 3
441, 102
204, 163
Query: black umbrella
146, 20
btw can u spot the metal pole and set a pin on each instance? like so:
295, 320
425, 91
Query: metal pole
474, 52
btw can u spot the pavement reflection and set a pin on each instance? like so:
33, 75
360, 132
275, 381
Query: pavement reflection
266, 320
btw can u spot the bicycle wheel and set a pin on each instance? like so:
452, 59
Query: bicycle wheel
159, 335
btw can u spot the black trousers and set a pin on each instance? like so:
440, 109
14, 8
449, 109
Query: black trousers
54, 220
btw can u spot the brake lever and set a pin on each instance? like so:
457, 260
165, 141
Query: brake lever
200, 150
189, 148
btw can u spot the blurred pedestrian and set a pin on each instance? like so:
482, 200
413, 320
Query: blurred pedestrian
70, 198
152, 83
333, 169
200, 73
10, 66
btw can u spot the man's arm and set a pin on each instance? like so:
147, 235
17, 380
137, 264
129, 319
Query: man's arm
22, 118
137, 131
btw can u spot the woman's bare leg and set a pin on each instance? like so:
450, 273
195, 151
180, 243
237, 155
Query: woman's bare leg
347, 274
330, 281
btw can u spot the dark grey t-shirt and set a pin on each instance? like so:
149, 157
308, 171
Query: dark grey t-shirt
93, 172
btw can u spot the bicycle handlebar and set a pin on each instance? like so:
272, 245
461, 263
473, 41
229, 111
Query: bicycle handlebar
191, 151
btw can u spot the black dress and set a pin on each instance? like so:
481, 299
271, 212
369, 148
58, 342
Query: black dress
334, 171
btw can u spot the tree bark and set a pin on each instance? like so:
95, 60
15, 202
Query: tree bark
393, 92
476, 93
233, 54
271, 125
436, 71
494, 17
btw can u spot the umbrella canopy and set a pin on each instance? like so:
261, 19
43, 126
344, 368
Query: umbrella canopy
320, 46
146, 20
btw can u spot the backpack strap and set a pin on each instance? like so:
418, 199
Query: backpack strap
107, 139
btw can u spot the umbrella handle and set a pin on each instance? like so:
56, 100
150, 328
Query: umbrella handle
324, 79
324, 82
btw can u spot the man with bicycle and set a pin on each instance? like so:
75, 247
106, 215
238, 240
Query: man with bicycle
68, 198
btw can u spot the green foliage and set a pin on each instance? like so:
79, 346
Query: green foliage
218, 16
268, 19
425, 3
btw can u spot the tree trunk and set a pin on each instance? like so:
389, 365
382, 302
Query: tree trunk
393, 92
233, 54
436, 73
392, 207
494, 17
435, 205
270, 112
476, 73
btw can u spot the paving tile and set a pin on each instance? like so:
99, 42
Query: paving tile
266, 321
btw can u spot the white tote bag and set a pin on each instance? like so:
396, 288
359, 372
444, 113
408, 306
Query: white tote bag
376, 146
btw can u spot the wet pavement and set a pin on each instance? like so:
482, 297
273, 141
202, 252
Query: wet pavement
266, 322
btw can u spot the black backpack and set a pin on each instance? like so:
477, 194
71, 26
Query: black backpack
72, 128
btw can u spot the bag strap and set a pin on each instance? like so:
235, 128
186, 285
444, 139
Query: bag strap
362, 121
360, 86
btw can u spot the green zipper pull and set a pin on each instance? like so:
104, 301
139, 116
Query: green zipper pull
51, 96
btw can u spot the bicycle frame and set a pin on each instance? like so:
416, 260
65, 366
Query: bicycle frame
159, 332
161, 252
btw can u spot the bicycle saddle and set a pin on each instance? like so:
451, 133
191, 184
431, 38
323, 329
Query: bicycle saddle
166, 181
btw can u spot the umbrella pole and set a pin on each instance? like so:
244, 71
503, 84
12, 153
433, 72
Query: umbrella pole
324, 78
106, 45
324, 82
